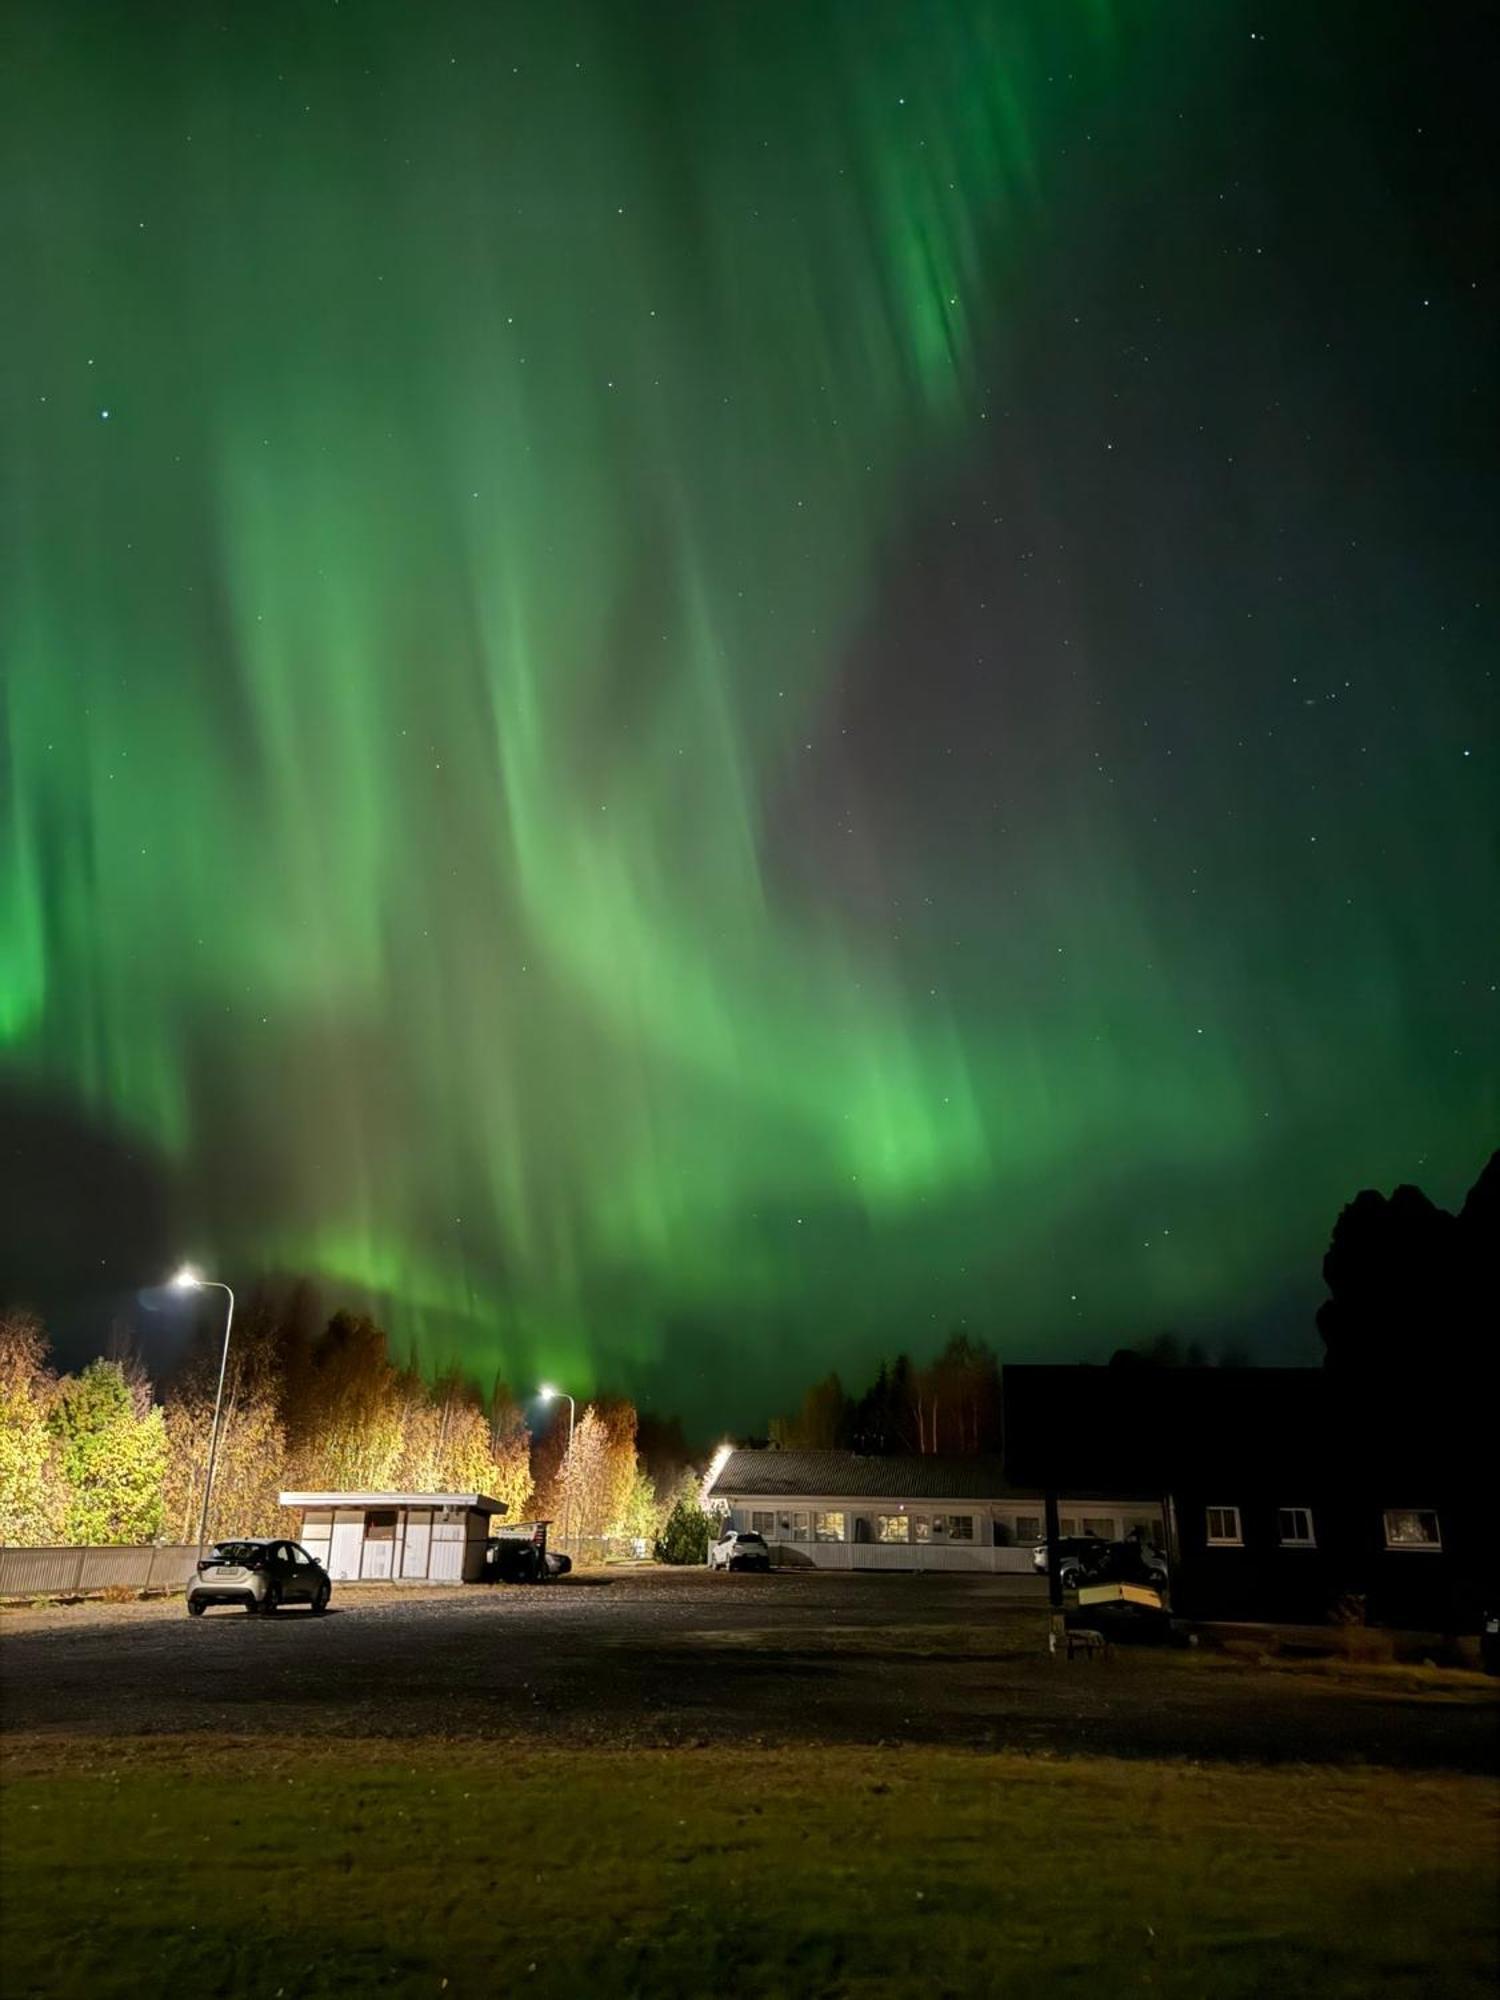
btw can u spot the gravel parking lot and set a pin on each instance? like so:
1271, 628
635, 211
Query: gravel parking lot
684, 1657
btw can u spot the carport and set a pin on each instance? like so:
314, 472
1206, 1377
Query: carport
396, 1537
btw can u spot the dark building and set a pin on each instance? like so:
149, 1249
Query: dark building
1287, 1493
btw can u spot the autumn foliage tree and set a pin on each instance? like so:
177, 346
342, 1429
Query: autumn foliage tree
250, 1466
112, 1456
31, 1501
101, 1457
510, 1475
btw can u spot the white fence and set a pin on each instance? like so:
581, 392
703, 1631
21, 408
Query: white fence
72, 1572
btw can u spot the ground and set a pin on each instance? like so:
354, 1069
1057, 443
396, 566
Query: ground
675, 1783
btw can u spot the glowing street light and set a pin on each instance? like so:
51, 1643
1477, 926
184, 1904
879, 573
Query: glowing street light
550, 1395
188, 1280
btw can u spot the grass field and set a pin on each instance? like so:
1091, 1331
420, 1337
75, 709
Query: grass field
201, 1866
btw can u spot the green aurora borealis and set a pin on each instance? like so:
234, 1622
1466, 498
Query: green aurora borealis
693, 689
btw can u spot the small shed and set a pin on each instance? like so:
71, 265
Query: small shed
397, 1537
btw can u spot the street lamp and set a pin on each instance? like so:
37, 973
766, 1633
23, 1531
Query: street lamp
550, 1395
188, 1280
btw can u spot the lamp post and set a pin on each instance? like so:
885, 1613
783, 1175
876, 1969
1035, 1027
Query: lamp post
187, 1280
550, 1395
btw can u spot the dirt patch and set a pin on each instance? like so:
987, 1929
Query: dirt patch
663, 1658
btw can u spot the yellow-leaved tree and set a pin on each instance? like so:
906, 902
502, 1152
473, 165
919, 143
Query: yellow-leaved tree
31, 1499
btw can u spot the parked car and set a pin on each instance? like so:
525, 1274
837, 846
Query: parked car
520, 1555
739, 1548
260, 1574
1070, 1548
1084, 1559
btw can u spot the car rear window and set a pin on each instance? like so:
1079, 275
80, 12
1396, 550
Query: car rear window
238, 1552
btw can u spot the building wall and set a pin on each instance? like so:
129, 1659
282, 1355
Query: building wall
429, 1544
823, 1532
1262, 1576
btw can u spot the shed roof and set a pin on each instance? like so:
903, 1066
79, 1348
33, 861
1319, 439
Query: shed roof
852, 1475
481, 1503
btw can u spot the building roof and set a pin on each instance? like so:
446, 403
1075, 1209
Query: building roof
853, 1476
481, 1503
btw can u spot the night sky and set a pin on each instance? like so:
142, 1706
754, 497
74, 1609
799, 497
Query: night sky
694, 690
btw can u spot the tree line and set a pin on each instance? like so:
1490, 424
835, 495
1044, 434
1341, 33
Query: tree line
949, 1405
1398, 1268
105, 1456
952, 1404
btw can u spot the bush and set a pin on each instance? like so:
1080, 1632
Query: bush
684, 1537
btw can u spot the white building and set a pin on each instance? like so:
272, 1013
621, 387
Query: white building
842, 1510
396, 1537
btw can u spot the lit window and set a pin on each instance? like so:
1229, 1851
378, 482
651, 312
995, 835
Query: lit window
1412, 1528
921, 1528
960, 1527
1102, 1525
1028, 1527
892, 1528
1224, 1527
1294, 1527
828, 1528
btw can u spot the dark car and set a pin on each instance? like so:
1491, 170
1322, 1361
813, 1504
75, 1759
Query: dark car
1070, 1549
261, 1574
1085, 1559
521, 1555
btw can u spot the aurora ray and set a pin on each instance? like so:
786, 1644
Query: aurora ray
735, 681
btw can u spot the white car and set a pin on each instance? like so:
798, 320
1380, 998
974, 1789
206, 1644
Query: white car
260, 1573
739, 1548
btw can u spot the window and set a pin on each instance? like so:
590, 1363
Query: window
960, 1527
1224, 1527
1102, 1525
1412, 1528
300, 1556
763, 1524
828, 1527
892, 1528
1028, 1527
1139, 1528
1294, 1527
799, 1526
921, 1528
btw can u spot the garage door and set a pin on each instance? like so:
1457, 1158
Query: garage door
447, 1565
348, 1539
380, 1543
418, 1535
